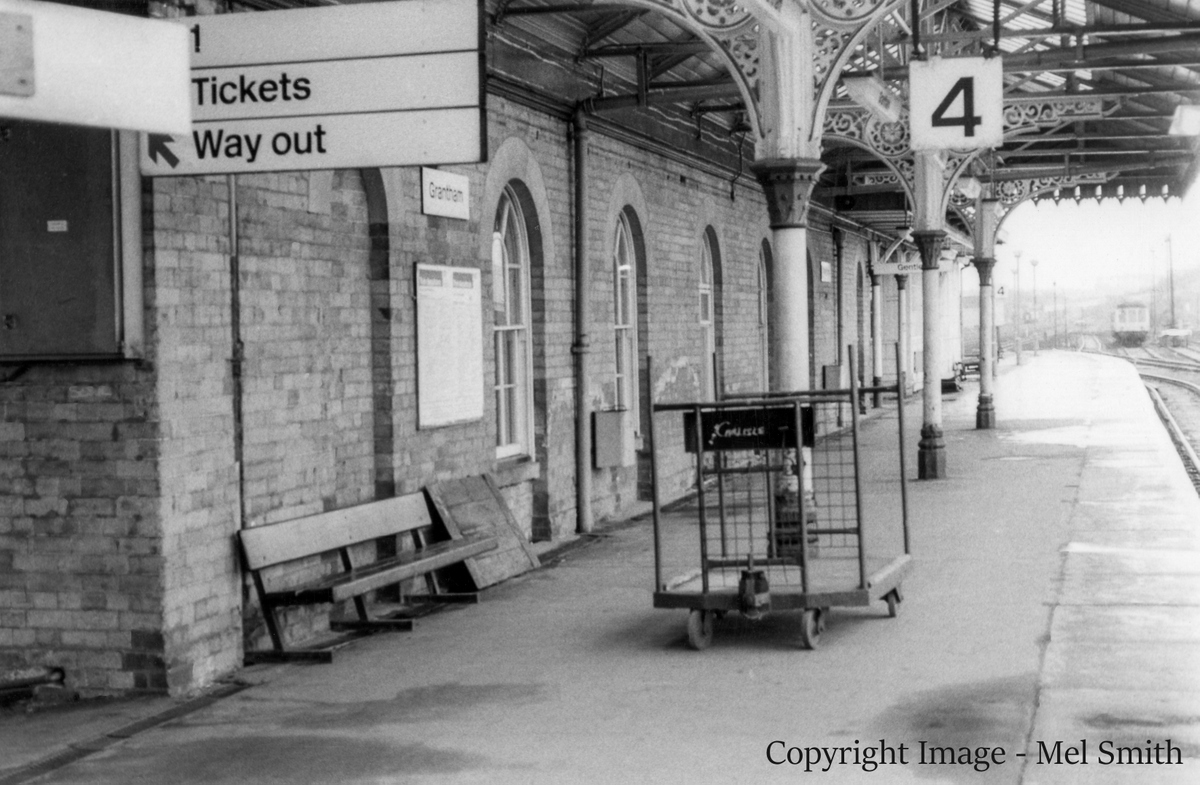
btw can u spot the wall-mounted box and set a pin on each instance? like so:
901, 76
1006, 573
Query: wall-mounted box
614, 439
835, 377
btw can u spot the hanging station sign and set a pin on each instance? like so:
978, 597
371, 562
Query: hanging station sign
907, 266
373, 84
956, 103
911, 265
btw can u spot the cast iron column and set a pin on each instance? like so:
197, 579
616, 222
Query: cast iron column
788, 184
985, 413
931, 450
876, 336
902, 336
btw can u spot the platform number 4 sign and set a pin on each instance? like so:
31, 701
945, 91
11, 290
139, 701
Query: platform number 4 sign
956, 103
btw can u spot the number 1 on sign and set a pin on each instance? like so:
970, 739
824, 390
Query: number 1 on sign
968, 119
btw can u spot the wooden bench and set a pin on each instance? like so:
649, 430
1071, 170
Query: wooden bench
267, 550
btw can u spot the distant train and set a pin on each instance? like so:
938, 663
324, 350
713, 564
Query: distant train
1131, 324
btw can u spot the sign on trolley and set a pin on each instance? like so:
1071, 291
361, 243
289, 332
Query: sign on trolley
759, 428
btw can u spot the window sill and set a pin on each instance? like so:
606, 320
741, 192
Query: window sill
515, 470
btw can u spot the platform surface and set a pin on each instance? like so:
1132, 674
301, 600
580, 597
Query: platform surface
1053, 602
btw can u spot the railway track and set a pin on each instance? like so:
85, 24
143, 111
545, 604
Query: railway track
1188, 410
1172, 376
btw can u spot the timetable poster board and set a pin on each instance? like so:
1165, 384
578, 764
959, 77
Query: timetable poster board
449, 345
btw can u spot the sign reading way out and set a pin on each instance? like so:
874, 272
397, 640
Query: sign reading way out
377, 84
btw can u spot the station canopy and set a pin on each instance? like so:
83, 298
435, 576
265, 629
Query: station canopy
1091, 89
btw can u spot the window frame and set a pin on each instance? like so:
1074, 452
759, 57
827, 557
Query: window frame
764, 315
514, 421
625, 316
707, 313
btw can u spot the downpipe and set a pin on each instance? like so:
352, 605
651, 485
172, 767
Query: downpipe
580, 347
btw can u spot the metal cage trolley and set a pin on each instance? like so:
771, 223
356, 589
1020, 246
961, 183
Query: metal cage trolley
779, 512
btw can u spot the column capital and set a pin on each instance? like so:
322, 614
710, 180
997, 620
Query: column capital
929, 243
984, 265
901, 282
788, 184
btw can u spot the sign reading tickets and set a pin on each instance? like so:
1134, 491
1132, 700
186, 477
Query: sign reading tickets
752, 428
956, 103
372, 84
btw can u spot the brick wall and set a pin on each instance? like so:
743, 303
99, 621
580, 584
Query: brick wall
119, 484
678, 203
80, 554
188, 287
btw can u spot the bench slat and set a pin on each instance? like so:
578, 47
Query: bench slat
276, 543
346, 585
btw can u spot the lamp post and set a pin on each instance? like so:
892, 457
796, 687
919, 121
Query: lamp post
1036, 316
1019, 320
1054, 289
1153, 292
1171, 271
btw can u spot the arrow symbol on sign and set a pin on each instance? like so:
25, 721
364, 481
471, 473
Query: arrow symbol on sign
158, 146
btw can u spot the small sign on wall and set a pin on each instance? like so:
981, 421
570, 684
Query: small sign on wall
826, 272
445, 193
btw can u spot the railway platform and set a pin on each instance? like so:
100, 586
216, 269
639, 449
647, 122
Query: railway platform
1051, 618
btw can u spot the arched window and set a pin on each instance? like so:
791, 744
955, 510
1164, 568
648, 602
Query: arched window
510, 304
707, 322
625, 314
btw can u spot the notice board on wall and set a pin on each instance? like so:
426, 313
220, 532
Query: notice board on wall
449, 345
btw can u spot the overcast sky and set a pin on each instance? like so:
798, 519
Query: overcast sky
1106, 244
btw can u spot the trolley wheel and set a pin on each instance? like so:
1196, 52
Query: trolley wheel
893, 599
812, 624
700, 629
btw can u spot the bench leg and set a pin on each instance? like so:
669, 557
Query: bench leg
394, 625
465, 597
268, 610
324, 656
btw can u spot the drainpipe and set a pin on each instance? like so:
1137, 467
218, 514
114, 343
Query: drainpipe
876, 325
235, 329
838, 249
580, 347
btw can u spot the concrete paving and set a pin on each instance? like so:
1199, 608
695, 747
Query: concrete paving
1054, 605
